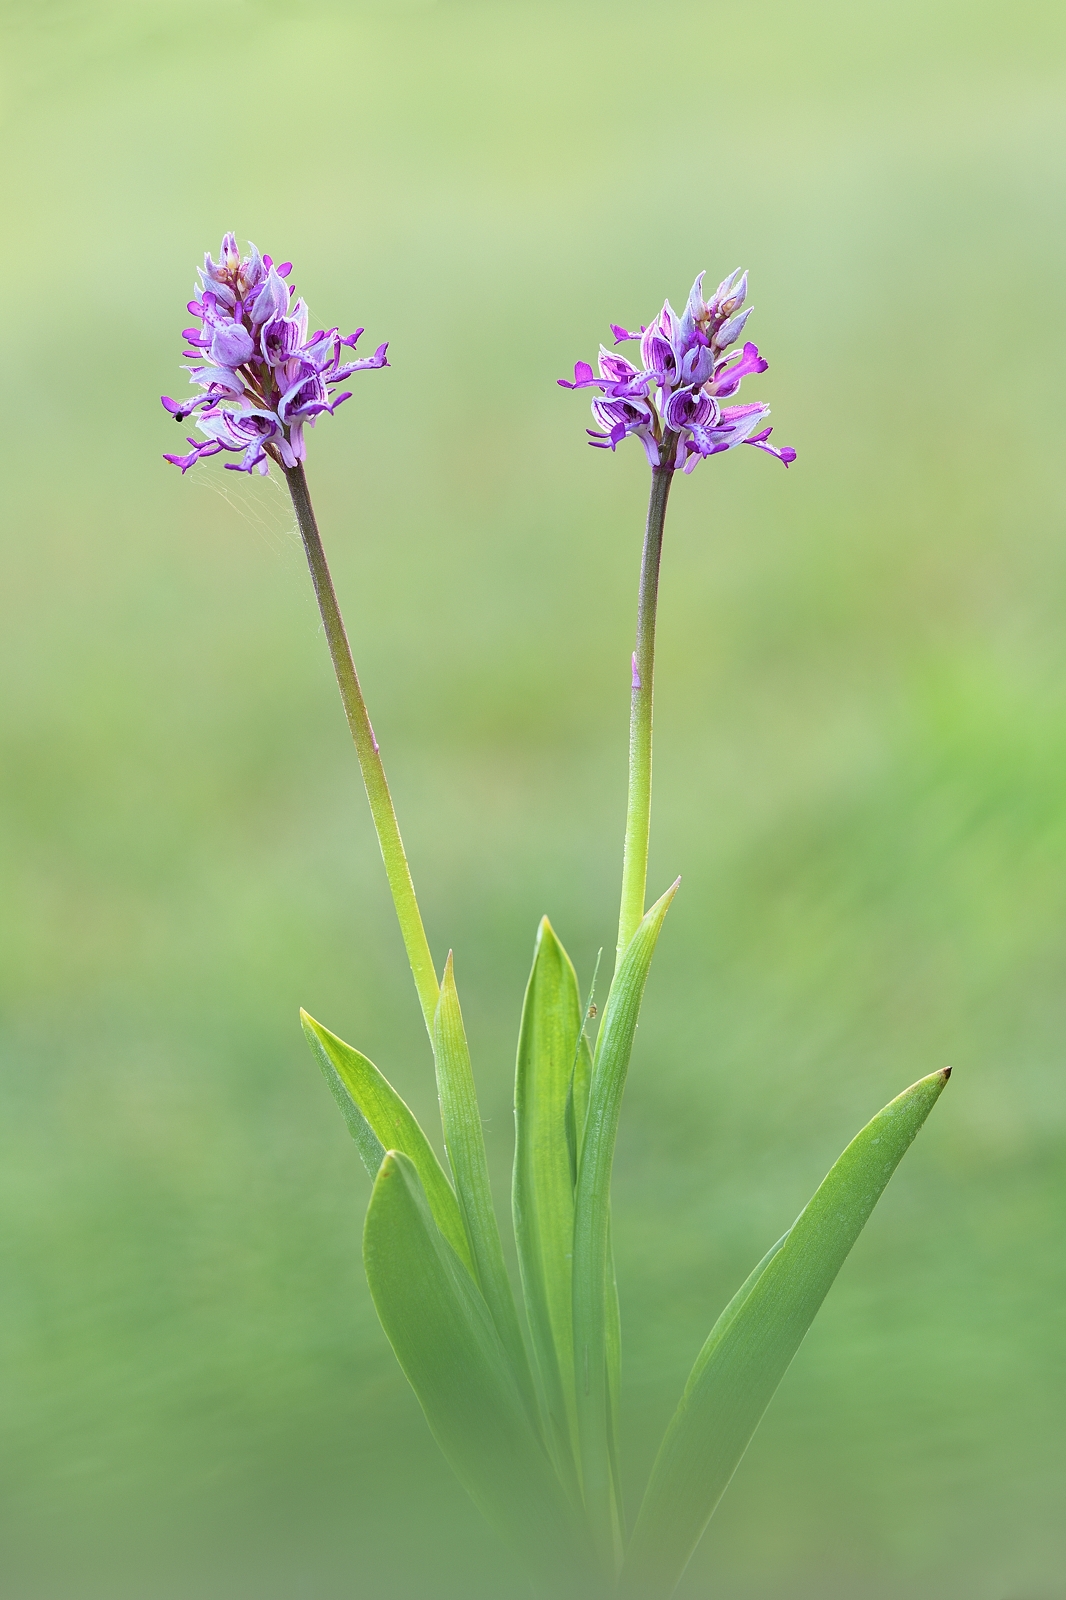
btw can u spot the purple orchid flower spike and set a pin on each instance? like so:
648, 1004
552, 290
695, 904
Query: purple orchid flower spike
673, 402
262, 377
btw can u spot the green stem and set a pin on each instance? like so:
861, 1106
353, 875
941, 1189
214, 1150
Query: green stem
366, 748
638, 815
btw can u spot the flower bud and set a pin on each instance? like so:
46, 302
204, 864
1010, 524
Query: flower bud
734, 298
732, 330
725, 288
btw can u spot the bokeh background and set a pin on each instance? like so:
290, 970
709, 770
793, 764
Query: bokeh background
861, 761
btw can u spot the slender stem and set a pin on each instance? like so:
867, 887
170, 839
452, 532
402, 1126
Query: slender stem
366, 748
638, 815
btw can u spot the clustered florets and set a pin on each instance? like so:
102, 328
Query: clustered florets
674, 405
262, 377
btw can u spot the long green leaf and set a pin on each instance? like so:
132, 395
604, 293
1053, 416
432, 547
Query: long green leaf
379, 1120
592, 1201
446, 1342
752, 1343
465, 1144
542, 1194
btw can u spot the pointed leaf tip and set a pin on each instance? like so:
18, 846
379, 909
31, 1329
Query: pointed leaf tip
379, 1121
753, 1342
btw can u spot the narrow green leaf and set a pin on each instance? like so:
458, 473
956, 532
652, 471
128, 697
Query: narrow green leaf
542, 1195
577, 1103
752, 1343
446, 1342
379, 1121
592, 1201
465, 1144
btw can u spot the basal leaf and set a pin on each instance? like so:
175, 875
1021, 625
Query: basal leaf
592, 1199
379, 1120
752, 1343
446, 1342
543, 1187
465, 1144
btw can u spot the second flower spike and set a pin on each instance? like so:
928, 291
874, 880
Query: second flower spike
673, 402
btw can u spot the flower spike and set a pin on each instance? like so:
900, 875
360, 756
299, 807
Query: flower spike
262, 377
673, 402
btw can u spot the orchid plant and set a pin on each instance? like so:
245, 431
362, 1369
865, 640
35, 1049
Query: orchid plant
524, 1403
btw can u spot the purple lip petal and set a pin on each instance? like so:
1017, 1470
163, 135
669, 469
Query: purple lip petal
179, 410
633, 389
786, 455
583, 377
730, 371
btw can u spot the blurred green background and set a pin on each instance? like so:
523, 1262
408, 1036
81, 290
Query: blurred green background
861, 761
